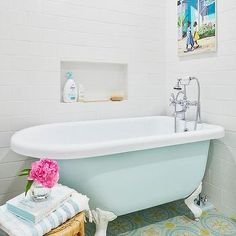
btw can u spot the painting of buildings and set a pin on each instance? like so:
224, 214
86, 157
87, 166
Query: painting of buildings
196, 26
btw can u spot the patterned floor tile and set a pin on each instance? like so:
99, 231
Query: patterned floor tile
173, 219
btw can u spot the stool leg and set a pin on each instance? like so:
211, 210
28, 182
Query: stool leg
81, 230
101, 219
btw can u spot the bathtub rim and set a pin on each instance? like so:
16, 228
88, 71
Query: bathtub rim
75, 151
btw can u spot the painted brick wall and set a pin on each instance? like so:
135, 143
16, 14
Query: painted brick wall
217, 73
36, 35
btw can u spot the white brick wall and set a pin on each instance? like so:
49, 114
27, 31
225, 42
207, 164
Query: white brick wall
217, 73
36, 35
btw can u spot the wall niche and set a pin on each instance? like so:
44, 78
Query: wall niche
100, 81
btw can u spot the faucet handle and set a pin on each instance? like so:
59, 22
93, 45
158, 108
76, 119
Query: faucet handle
172, 99
194, 103
178, 84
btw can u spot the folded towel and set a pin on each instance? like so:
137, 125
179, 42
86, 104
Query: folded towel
16, 226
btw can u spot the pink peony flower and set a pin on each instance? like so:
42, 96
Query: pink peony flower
45, 172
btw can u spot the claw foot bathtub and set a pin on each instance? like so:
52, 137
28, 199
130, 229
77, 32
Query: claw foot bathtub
124, 165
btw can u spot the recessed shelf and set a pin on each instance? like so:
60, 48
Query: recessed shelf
100, 80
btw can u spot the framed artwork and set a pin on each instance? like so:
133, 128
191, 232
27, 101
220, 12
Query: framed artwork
196, 26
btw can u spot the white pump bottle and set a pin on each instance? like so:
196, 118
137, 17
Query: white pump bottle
70, 93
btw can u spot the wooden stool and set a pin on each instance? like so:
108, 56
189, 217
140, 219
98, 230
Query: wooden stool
72, 227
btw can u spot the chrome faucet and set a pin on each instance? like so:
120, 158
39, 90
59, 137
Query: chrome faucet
184, 103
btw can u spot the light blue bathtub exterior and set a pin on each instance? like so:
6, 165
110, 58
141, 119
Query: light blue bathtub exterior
131, 181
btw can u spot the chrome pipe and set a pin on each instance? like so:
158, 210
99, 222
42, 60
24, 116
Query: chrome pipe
198, 112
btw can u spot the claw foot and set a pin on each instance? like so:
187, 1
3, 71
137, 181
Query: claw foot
101, 219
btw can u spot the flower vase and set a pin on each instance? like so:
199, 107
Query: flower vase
39, 192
